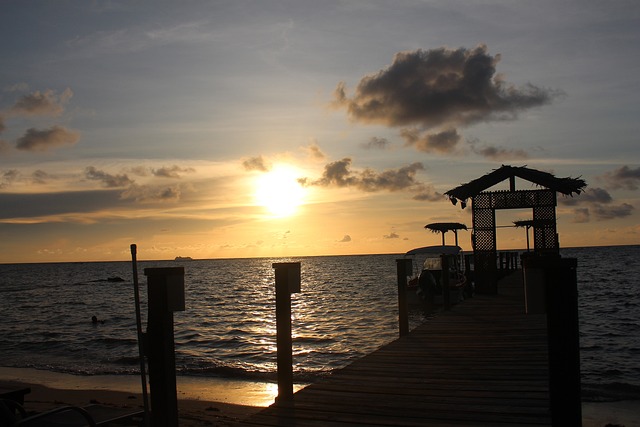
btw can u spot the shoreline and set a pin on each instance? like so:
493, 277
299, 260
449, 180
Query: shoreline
218, 401
191, 413
213, 389
201, 401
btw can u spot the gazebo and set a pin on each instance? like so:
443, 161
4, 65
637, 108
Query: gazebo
443, 227
527, 224
484, 204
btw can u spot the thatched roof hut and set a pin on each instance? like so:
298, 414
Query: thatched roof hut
567, 186
443, 227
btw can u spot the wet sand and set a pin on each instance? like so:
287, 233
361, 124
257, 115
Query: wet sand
201, 401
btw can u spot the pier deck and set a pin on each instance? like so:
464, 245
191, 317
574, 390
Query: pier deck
484, 363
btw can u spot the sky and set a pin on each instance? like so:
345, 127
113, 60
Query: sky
224, 129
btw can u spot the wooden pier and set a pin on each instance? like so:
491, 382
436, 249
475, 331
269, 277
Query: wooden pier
483, 363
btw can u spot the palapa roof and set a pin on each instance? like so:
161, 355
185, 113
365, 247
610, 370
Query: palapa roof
532, 222
566, 186
443, 227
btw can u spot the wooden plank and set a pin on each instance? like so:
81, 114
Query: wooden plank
484, 363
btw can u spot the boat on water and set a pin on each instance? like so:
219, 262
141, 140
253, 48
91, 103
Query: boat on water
426, 285
183, 258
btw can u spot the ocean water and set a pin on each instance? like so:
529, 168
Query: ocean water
347, 308
609, 316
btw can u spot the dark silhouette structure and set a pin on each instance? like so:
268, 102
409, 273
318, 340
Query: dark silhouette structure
443, 227
484, 204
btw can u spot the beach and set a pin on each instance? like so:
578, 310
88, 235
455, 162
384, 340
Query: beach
212, 401
201, 401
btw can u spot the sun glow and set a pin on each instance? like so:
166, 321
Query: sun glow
279, 191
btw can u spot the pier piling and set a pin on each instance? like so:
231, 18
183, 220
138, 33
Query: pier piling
287, 282
564, 342
165, 290
403, 267
444, 281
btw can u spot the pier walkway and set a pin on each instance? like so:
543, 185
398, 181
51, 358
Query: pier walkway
484, 363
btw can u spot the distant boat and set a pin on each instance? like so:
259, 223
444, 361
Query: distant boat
184, 258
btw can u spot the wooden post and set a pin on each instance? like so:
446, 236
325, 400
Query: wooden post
469, 275
287, 282
403, 267
165, 290
444, 281
564, 342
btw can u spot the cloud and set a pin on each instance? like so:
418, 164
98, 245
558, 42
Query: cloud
315, 152
436, 88
46, 103
612, 212
147, 194
590, 195
377, 143
440, 142
497, 153
390, 180
345, 239
40, 177
391, 235
427, 193
431, 93
174, 171
338, 174
5, 147
581, 215
256, 163
44, 140
8, 177
108, 180
600, 206
623, 177
171, 172
139, 170
34, 205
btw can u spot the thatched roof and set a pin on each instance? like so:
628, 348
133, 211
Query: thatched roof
443, 227
532, 223
566, 186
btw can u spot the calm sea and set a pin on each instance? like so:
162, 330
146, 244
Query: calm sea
347, 308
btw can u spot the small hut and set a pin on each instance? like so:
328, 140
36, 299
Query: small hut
484, 204
443, 227
527, 224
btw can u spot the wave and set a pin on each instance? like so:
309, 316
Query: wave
231, 372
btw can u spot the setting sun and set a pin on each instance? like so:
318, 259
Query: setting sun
279, 191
